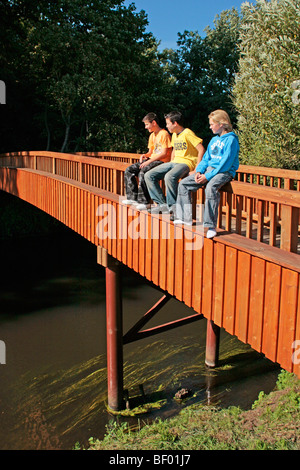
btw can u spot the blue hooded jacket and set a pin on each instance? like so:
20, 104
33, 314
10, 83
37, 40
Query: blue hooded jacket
222, 154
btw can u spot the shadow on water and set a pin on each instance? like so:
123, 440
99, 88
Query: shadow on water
52, 320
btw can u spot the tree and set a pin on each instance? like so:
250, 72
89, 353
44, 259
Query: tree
99, 62
267, 84
203, 70
92, 73
18, 113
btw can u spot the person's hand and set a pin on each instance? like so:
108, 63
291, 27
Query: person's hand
145, 163
200, 179
142, 158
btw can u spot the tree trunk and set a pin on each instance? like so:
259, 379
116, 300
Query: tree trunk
67, 132
47, 128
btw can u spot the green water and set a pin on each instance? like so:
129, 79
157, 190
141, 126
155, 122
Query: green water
52, 320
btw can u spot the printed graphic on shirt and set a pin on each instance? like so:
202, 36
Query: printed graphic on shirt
180, 145
157, 147
160, 141
185, 148
217, 146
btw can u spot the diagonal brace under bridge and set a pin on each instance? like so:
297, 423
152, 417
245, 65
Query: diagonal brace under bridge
135, 334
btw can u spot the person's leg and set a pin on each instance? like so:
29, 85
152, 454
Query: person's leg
152, 178
183, 202
131, 187
179, 170
143, 193
212, 200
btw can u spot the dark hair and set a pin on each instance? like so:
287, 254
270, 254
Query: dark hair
150, 117
175, 116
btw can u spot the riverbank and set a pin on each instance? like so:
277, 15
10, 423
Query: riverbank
273, 423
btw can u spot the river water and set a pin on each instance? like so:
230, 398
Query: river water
52, 322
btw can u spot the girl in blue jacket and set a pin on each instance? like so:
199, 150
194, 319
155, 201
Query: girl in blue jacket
217, 167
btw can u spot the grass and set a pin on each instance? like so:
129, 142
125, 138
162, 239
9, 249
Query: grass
273, 423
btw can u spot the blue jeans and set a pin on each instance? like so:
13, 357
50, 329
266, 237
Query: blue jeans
212, 198
171, 172
138, 191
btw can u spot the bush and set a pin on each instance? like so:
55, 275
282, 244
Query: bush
266, 91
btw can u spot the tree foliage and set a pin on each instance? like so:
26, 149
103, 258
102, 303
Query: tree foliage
266, 88
80, 75
203, 70
89, 72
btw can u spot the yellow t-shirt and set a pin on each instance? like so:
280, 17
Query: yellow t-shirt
184, 145
160, 141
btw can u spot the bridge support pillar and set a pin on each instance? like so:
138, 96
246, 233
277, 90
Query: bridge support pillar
114, 330
212, 344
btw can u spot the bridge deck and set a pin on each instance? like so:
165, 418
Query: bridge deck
247, 287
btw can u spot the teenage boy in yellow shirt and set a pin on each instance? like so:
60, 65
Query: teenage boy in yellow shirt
186, 154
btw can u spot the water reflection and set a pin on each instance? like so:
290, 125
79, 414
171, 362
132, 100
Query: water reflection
53, 386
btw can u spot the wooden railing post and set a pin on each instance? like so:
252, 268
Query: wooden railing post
80, 172
289, 228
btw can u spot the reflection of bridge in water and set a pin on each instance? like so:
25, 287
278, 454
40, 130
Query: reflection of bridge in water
246, 280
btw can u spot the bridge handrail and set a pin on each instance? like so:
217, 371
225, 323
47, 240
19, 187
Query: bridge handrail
254, 209
266, 176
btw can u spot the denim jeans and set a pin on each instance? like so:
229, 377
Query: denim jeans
138, 191
212, 198
171, 172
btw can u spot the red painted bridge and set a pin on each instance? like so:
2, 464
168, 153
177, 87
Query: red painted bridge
246, 280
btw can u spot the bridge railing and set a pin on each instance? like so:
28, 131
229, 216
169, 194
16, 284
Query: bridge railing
273, 177
262, 203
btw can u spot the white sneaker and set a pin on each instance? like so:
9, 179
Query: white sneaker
160, 209
211, 233
129, 202
178, 221
141, 207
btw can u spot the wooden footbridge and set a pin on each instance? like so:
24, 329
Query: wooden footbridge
246, 280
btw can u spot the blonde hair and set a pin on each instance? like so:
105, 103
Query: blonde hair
222, 118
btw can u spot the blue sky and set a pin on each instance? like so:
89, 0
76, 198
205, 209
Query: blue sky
169, 17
